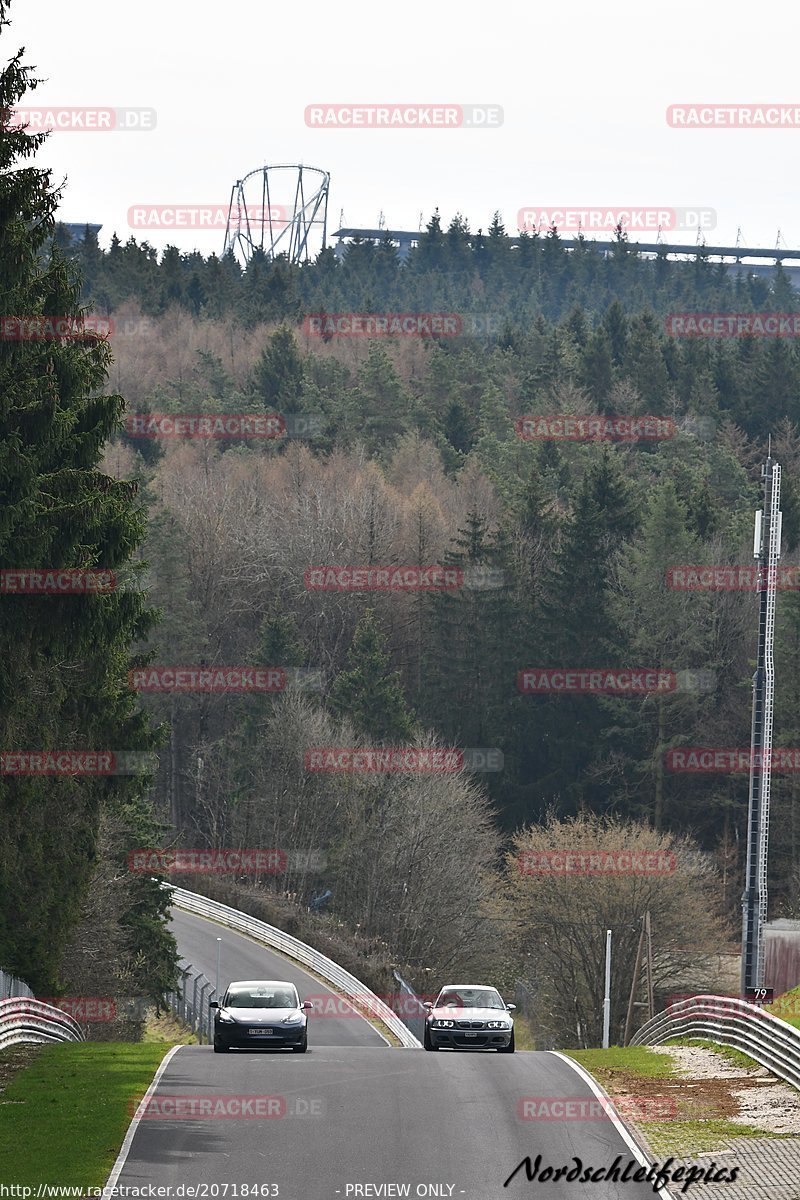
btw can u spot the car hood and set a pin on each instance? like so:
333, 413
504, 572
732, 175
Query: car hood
261, 1016
471, 1014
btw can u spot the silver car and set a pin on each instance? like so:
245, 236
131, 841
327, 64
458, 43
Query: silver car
261, 1012
469, 1017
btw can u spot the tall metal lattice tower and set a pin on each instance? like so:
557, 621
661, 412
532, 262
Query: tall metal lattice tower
279, 209
767, 550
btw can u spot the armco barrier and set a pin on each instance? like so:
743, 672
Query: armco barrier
731, 1022
23, 1019
11, 986
292, 947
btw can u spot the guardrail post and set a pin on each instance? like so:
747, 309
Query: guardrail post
202, 1020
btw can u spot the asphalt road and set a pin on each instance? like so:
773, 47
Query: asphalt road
353, 1115
242, 958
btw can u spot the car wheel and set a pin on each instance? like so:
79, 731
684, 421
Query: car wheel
219, 1048
301, 1049
509, 1049
426, 1040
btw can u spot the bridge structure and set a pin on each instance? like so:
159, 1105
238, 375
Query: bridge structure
758, 260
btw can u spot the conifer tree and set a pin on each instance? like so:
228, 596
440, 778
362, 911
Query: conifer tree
64, 658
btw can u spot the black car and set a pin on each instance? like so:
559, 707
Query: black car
260, 1012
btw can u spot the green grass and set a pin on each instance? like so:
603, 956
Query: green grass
685, 1139
64, 1117
640, 1060
787, 1007
167, 1028
523, 1035
682, 1138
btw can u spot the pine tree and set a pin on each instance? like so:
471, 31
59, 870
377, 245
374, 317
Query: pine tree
63, 658
278, 375
597, 374
368, 692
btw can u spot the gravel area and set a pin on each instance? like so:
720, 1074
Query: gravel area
763, 1100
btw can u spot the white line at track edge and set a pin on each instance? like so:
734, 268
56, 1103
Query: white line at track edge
613, 1115
122, 1157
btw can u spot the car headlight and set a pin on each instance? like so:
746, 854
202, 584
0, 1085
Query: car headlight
224, 1018
443, 1024
498, 1025
293, 1020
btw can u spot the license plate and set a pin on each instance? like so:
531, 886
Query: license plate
261, 1032
470, 1035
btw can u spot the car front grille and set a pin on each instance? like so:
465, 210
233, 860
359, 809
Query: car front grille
469, 1024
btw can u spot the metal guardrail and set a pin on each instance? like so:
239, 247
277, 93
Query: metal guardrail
23, 1019
292, 947
190, 1000
413, 1011
731, 1022
11, 986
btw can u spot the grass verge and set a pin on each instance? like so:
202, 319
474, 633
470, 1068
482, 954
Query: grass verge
685, 1139
787, 1007
64, 1116
640, 1060
643, 1082
523, 1034
167, 1028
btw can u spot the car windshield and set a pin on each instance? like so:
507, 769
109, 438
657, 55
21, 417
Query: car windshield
470, 998
260, 998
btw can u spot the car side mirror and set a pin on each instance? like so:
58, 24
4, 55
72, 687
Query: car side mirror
511, 1007
213, 1004
306, 1004
427, 1004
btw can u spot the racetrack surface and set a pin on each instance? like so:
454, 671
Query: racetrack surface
354, 1115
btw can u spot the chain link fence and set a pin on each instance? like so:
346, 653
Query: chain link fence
190, 1000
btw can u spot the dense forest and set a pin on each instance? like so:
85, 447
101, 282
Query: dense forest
414, 458
400, 452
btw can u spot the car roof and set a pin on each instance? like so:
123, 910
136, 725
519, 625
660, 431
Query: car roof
469, 987
251, 983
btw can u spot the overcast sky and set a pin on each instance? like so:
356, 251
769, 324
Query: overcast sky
584, 91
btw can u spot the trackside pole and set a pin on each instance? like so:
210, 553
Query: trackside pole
766, 550
607, 997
